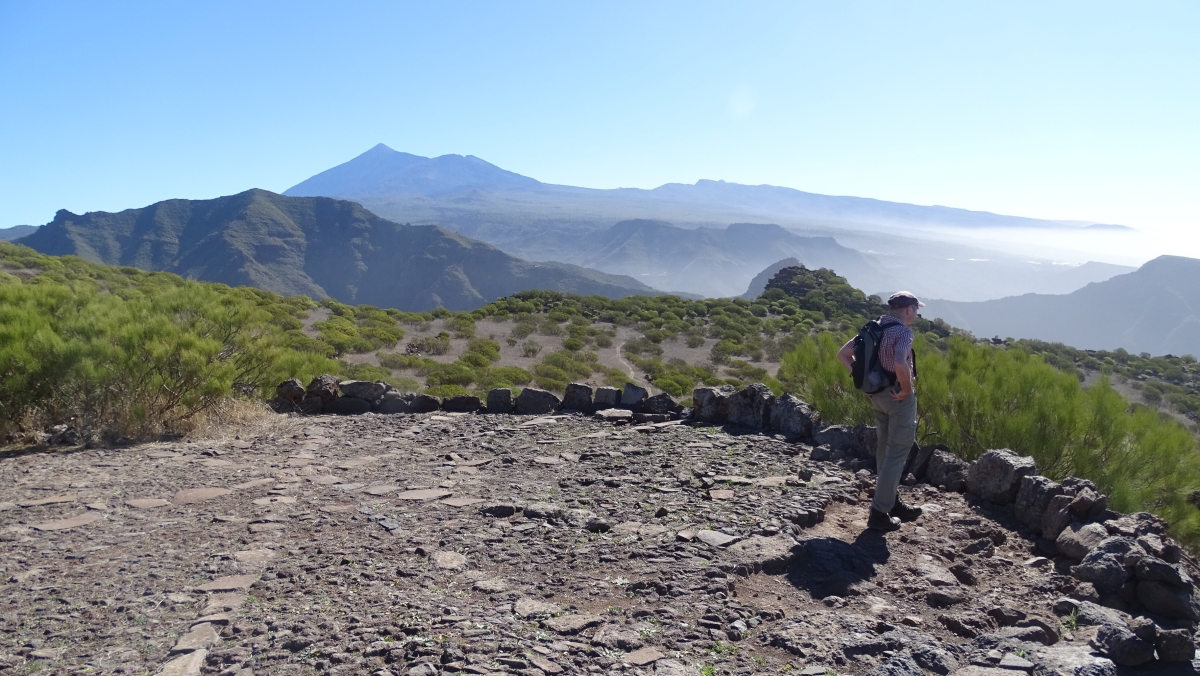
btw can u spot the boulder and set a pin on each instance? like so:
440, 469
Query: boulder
292, 390
346, 406
1104, 570
606, 398
836, 437
462, 403
1123, 646
311, 405
1171, 602
996, 475
1078, 539
751, 407
711, 404
633, 397
791, 415
533, 401
900, 664
757, 554
1174, 646
918, 460
947, 469
660, 404
500, 400
281, 405
1166, 550
392, 402
1056, 517
578, 397
362, 389
1033, 497
424, 403
1156, 570
1088, 613
324, 386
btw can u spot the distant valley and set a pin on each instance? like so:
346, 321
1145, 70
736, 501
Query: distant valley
1155, 309
669, 237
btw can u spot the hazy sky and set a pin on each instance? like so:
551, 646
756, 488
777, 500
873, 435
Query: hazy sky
1087, 110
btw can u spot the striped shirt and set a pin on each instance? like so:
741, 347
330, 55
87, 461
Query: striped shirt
897, 339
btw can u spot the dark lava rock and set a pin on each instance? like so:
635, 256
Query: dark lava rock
500, 400
997, 474
533, 401
1122, 646
462, 403
347, 406
1175, 646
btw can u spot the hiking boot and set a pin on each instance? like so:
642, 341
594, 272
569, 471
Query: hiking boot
904, 512
880, 521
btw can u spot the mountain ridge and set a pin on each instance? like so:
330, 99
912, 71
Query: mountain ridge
315, 246
1153, 309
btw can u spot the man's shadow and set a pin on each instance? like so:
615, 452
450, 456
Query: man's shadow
825, 566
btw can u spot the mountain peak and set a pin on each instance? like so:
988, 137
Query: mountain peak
382, 170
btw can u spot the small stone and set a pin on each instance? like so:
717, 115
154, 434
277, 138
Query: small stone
460, 502
714, 538
643, 656
1011, 661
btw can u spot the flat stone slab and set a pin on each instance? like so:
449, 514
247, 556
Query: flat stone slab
572, 624
545, 460
720, 494
714, 538
626, 528
349, 488
266, 527
424, 494
254, 483
189, 664
161, 455
462, 502
190, 496
643, 656
758, 553
229, 583
381, 489
336, 508
254, 557
527, 608
147, 503
201, 637
495, 586
55, 500
225, 602
615, 414
324, 480
449, 560
545, 665
475, 463
275, 499
73, 522
352, 463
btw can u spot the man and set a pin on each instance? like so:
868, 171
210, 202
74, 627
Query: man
895, 410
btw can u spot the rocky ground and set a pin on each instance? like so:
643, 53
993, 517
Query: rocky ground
476, 544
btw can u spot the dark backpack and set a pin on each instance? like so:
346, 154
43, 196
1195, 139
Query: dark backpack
868, 372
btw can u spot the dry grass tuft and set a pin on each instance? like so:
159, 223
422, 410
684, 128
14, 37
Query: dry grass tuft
241, 418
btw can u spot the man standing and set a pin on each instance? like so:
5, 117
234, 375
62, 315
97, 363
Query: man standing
895, 410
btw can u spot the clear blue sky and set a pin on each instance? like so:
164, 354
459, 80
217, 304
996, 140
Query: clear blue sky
1082, 110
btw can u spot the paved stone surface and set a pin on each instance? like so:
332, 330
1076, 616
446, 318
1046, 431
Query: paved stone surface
300, 570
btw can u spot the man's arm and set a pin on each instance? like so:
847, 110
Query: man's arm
846, 355
904, 380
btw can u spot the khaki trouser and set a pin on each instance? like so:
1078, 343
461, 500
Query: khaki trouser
896, 427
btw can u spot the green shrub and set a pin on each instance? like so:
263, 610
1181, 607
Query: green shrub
530, 348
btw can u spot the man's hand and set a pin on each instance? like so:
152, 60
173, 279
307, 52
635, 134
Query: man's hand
846, 355
904, 380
